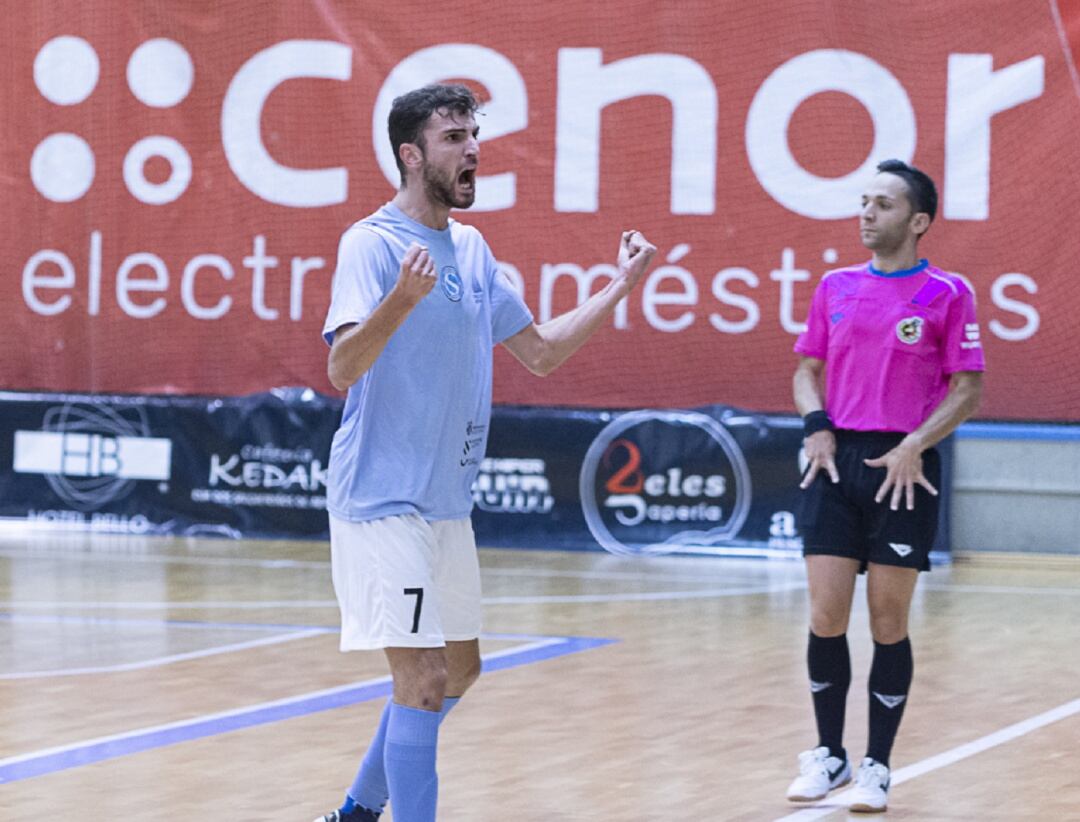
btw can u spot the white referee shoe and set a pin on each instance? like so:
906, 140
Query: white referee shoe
819, 773
871, 791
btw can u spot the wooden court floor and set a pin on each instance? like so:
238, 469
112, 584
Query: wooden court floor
152, 679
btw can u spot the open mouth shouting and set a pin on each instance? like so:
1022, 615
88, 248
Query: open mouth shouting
467, 181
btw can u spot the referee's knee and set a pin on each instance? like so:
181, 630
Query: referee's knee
888, 628
829, 622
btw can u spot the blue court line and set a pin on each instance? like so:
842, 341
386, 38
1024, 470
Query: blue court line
1018, 431
91, 751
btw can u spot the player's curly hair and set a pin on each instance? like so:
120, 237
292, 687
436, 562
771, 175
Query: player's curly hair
921, 191
410, 112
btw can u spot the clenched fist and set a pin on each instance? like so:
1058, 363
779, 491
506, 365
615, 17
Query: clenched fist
417, 276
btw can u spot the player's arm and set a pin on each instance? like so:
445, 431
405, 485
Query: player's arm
543, 348
809, 397
357, 345
903, 464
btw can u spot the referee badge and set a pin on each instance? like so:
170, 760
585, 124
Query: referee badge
909, 330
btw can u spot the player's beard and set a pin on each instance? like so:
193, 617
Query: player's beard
442, 188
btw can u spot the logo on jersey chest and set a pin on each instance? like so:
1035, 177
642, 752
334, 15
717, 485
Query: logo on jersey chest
909, 330
451, 283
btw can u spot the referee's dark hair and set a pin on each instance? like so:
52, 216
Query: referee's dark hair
922, 193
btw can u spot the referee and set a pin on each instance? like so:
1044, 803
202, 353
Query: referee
891, 363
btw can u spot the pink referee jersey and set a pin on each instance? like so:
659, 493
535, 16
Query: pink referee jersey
890, 342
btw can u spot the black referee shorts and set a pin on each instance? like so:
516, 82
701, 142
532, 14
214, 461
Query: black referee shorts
843, 520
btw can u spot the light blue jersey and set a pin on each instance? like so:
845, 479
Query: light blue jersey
415, 426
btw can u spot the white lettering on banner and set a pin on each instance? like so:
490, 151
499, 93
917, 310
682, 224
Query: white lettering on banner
236, 472
616, 489
1028, 312
787, 275
101, 521
241, 123
549, 273
35, 281
799, 79
507, 485
976, 93
258, 262
719, 290
125, 285
586, 87
74, 454
506, 112
63, 164
32, 281
652, 297
187, 287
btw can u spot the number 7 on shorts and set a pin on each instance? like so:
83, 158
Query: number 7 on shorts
419, 594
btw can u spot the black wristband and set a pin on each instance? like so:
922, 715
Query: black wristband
817, 421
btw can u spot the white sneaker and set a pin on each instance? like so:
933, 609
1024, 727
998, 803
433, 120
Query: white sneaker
871, 791
819, 773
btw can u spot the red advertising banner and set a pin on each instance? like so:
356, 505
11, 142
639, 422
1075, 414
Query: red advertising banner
175, 178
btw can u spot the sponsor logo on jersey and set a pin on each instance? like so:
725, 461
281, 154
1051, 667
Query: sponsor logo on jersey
909, 330
901, 548
451, 283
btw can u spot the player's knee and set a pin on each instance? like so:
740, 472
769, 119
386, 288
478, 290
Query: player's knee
828, 620
421, 682
888, 626
470, 674
463, 673
432, 687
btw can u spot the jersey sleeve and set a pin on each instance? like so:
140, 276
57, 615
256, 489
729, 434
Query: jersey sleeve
814, 341
509, 314
360, 280
962, 348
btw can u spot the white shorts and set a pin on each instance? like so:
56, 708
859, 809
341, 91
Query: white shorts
403, 582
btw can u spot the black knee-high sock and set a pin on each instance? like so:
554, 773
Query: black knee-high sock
829, 664
890, 680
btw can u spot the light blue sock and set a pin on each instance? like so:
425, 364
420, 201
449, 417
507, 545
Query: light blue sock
411, 738
369, 789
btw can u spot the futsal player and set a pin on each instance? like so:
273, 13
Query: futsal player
891, 364
417, 305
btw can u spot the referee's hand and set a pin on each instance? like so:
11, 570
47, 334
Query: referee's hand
903, 471
821, 452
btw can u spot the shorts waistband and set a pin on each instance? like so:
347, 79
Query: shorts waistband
848, 435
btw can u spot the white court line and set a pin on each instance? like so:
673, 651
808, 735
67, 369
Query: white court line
172, 604
540, 573
165, 559
322, 565
646, 596
629, 576
638, 596
1001, 589
942, 760
157, 662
